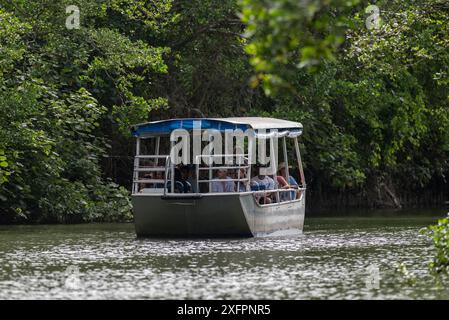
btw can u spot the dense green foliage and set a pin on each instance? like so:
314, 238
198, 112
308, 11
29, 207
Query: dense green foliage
58, 88
376, 107
374, 102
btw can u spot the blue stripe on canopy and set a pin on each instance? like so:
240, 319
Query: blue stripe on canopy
167, 126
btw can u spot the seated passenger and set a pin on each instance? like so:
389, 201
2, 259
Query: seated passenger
144, 185
191, 178
282, 184
291, 181
222, 186
158, 176
264, 182
181, 175
243, 184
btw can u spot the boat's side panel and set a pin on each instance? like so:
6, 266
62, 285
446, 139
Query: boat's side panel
282, 218
215, 216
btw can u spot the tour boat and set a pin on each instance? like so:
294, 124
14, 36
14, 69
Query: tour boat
182, 196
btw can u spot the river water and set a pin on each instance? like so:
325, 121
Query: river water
339, 257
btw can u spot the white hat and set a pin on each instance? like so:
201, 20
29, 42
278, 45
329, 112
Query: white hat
283, 166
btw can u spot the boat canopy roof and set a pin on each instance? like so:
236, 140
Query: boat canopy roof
278, 127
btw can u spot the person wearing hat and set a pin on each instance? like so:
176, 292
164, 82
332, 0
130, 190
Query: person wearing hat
265, 183
291, 181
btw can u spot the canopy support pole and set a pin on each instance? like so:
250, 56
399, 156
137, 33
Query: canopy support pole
274, 167
157, 147
136, 166
210, 171
250, 160
298, 156
172, 169
287, 172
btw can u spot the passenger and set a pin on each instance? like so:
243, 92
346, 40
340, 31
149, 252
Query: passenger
181, 184
291, 181
159, 176
178, 173
191, 178
145, 185
281, 183
183, 178
243, 184
203, 175
264, 182
223, 186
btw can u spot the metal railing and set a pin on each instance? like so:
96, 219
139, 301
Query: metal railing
278, 192
211, 168
153, 168
168, 173
167, 165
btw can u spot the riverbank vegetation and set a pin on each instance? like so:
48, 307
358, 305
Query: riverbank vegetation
439, 234
370, 86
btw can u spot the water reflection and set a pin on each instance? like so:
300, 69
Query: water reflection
328, 262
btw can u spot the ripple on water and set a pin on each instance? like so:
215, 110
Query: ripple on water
106, 261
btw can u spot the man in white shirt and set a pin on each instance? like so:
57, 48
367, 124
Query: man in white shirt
222, 186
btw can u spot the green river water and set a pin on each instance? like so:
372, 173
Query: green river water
339, 257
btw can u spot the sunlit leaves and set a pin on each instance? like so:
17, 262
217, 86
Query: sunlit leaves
4, 173
12, 47
370, 107
284, 35
53, 104
439, 234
